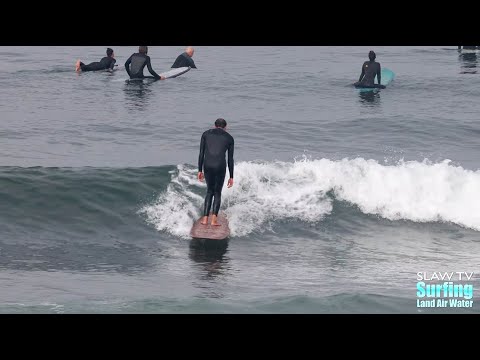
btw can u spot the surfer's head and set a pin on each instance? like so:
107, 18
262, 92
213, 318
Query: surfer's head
372, 55
109, 52
220, 123
189, 51
143, 50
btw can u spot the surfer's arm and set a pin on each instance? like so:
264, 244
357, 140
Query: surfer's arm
112, 64
379, 74
127, 65
151, 71
362, 74
230, 158
202, 154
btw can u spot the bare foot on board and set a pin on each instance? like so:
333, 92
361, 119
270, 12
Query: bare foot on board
214, 221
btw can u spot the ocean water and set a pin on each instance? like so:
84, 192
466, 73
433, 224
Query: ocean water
340, 198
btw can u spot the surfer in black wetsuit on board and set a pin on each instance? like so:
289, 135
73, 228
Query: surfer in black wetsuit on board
137, 62
185, 59
370, 69
107, 63
213, 167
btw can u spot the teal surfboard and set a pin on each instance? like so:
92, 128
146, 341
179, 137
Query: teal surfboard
387, 77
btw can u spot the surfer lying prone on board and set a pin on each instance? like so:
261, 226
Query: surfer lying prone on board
107, 63
213, 167
137, 62
370, 69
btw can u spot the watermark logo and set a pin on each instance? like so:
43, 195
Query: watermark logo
445, 289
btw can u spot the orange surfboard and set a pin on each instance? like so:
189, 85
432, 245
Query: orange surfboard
210, 232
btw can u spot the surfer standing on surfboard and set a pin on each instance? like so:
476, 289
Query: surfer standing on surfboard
213, 167
138, 61
369, 70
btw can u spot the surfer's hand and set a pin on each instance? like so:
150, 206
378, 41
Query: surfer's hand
230, 183
200, 176
162, 77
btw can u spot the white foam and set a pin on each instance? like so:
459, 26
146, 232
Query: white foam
176, 208
264, 192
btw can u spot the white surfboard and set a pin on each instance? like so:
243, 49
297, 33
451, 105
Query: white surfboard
175, 72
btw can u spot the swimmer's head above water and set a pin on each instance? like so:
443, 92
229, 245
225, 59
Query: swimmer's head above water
189, 51
220, 123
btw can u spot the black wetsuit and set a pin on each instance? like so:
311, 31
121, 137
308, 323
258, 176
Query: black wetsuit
106, 63
370, 69
183, 60
138, 61
213, 146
